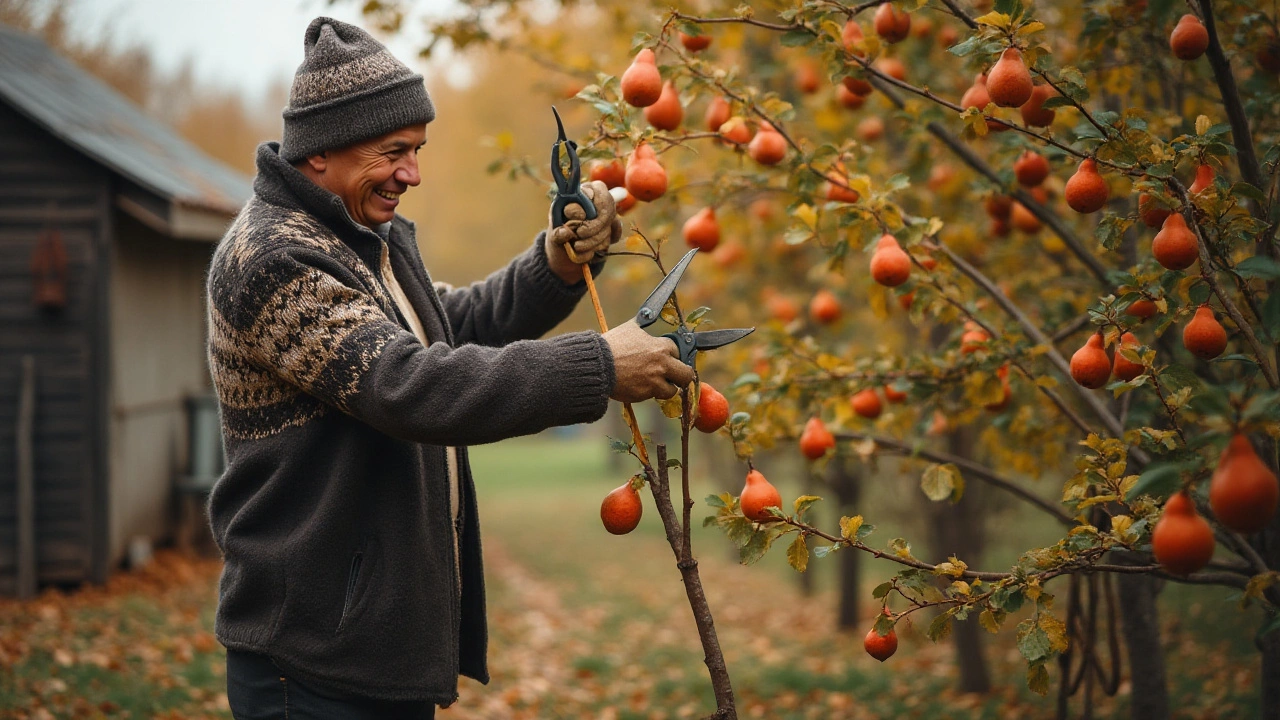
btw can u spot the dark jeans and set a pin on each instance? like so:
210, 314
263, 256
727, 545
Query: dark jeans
259, 690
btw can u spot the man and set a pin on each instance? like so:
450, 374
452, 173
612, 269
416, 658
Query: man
349, 386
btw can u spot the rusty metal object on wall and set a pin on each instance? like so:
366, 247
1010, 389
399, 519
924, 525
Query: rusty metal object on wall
49, 271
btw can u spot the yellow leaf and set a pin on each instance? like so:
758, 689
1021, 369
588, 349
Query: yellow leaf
1056, 630
1038, 679
635, 243
860, 184
1258, 584
988, 621
807, 216
1203, 123
1031, 27
995, 19
1120, 525
876, 301
672, 407
849, 527
935, 227
798, 554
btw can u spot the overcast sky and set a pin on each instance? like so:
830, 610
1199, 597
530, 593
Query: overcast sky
245, 43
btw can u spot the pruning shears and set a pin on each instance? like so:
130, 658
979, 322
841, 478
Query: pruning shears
687, 341
568, 189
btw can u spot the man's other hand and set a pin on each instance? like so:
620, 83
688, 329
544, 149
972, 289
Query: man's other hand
644, 366
586, 237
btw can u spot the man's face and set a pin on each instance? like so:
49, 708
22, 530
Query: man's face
371, 175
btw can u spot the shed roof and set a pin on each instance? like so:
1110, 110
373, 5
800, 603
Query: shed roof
88, 115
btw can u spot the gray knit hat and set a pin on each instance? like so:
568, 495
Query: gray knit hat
348, 88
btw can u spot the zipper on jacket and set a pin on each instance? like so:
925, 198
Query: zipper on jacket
351, 587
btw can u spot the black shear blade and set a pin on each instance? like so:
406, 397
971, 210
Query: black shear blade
559, 125
712, 339
652, 307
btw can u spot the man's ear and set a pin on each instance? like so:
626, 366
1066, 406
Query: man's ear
319, 162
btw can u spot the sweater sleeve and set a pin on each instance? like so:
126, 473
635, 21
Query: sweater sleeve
331, 339
523, 300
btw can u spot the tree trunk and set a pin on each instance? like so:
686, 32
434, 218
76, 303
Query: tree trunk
846, 483
1268, 546
958, 530
1140, 620
1270, 680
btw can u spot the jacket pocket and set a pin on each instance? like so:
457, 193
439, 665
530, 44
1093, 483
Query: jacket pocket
353, 577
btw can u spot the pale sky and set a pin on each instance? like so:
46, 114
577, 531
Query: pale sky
244, 43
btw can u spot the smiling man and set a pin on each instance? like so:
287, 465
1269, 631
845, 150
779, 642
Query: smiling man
349, 385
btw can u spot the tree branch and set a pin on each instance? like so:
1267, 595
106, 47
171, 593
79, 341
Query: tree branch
713, 657
1246, 156
961, 14
1049, 218
976, 469
1038, 336
1208, 273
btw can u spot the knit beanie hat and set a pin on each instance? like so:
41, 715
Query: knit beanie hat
348, 88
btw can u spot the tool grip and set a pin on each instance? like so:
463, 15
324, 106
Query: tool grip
563, 201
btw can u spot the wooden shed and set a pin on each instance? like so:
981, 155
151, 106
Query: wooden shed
108, 220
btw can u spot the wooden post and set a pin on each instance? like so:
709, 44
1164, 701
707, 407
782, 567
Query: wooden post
26, 585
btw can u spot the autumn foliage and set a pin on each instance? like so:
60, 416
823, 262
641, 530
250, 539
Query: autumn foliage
1038, 228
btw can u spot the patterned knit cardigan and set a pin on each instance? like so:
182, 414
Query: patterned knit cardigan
333, 514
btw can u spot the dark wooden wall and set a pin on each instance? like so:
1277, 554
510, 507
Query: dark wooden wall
44, 181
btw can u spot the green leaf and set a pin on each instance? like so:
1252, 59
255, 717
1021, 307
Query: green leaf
738, 529
1271, 315
881, 590
745, 379
940, 628
1008, 599
759, 543
1057, 101
942, 482
694, 318
1272, 625
1265, 406
1159, 480
884, 624
1245, 190
739, 418
718, 501
798, 554
1106, 117
1033, 642
797, 38
619, 446
1199, 293
966, 47
1259, 266
1110, 232
822, 551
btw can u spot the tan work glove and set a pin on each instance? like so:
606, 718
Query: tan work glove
586, 237
644, 366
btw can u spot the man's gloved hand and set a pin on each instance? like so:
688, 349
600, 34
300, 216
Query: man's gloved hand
644, 366
586, 237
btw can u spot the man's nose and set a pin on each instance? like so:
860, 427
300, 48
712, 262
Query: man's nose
407, 172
